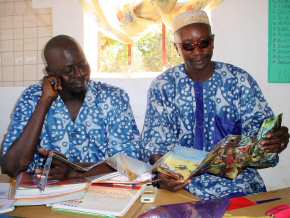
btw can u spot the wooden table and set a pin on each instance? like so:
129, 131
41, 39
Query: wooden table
164, 197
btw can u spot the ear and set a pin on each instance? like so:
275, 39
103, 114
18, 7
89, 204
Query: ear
212, 41
48, 71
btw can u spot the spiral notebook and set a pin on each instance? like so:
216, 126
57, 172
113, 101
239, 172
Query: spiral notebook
109, 201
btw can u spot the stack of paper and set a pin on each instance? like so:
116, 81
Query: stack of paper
27, 192
7, 191
118, 179
103, 200
112, 194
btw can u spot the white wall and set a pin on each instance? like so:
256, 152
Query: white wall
241, 38
68, 19
8, 96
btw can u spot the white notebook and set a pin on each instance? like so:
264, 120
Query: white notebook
103, 200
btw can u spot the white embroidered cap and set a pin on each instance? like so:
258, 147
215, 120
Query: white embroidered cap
189, 17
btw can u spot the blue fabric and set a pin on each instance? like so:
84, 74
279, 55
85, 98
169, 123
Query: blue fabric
231, 103
104, 126
199, 116
223, 127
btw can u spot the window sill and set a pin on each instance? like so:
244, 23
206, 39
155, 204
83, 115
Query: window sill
125, 75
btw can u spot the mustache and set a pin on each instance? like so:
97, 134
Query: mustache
192, 61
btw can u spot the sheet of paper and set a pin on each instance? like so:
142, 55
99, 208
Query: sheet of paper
6, 197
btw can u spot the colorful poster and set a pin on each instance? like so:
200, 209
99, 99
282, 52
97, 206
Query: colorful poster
279, 41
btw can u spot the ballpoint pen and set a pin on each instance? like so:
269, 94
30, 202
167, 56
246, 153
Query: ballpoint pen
44, 176
112, 185
267, 200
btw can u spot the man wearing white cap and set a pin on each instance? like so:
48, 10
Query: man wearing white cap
197, 103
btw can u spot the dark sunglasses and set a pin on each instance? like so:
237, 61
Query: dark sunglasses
201, 44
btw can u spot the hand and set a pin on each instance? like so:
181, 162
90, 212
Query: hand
276, 141
153, 158
50, 87
166, 181
170, 183
99, 169
58, 169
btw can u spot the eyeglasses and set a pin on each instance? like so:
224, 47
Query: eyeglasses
201, 44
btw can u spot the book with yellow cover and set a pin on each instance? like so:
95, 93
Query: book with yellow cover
182, 162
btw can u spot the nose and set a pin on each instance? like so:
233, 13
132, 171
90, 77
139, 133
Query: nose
77, 71
197, 51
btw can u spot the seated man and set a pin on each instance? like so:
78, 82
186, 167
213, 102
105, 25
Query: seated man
67, 112
197, 103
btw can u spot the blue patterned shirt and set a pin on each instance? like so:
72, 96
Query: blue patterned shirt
199, 114
104, 126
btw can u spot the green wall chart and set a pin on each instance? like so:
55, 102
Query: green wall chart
279, 41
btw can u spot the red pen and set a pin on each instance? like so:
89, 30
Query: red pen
114, 185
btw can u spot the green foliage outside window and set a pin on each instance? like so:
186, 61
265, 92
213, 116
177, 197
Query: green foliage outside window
146, 54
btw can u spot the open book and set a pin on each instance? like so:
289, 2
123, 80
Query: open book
133, 169
227, 159
182, 162
72, 165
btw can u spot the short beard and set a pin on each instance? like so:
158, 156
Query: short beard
190, 65
78, 93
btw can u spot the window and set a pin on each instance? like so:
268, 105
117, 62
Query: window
110, 56
146, 54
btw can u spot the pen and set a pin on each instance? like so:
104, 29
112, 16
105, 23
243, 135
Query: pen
267, 200
52, 82
110, 185
43, 178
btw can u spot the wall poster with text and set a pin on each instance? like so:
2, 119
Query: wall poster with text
279, 41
